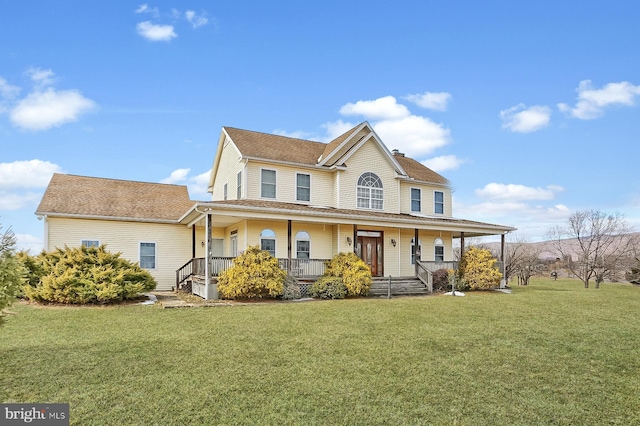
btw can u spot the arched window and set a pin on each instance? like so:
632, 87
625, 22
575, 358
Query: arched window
415, 250
438, 245
370, 193
268, 241
303, 247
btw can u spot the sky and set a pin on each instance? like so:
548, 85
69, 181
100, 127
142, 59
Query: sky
530, 109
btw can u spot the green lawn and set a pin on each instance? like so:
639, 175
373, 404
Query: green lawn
550, 353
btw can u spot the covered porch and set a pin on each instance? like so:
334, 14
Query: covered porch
303, 238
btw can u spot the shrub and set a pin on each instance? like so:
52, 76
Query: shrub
328, 287
254, 274
355, 274
440, 280
291, 289
11, 271
478, 270
84, 275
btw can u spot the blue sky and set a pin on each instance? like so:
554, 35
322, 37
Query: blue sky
529, 108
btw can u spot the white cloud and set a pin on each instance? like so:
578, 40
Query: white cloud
521, 119
7, 91
155, 32
298, 134
18, 200
443, 163
29, 242
42, 110
430, 100
41, 78
176, 176
196, 20
335, 129
513, 192
386, 108
26, 174
144, 8
592, 102
197, 185
414, 135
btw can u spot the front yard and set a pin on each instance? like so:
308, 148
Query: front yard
550, 353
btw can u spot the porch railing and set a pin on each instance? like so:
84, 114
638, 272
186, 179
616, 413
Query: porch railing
424, 274
304, 268
300, 268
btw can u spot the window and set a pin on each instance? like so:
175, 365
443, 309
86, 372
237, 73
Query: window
148, 255
415, 200
239, 186
302, 245
370, 193
438, 202
303, 187
415, 250
268, 241
224, 191
438, 245
268, 188
90, 243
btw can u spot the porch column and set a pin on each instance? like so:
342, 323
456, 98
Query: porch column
207, 255
503, 281
208, 264
193, 241
461, 245
417, 255
355, 238
289, 245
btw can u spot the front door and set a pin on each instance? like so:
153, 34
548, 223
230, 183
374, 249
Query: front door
370, 251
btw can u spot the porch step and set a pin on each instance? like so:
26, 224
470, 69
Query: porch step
399, 286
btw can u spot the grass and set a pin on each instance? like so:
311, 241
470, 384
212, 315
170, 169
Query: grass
551, 353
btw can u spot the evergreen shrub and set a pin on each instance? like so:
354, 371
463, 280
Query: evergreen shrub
83, 275
254, 274
355, 274
328, 287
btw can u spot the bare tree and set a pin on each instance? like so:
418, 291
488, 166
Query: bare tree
594, 244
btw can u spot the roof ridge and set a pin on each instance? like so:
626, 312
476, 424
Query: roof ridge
118, 180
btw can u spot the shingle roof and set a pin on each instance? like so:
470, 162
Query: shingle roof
331, 146
90, 196
265, 205
275, 147
418, 171
282, 148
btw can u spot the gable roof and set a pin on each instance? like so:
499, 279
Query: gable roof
81, 196
419, 171
268, 147
275, 147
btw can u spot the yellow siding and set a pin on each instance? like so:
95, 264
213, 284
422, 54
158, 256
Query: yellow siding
173, 242
427, 198
228, 169
321, 183
369, 158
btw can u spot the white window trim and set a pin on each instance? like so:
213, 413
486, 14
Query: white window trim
239, 185
303, 239
296, 187
411, 199
358, 186
155, 245
89, 239
276, 184
438, 242
434, 202
274, 238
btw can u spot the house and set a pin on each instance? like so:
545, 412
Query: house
303, 201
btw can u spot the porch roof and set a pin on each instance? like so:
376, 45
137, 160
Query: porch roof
230, 211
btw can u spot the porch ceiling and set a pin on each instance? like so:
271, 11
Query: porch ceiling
226, 213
